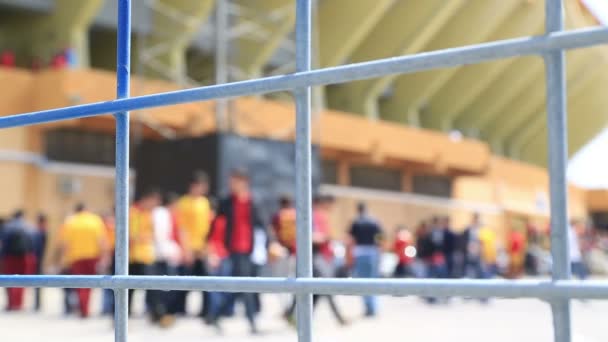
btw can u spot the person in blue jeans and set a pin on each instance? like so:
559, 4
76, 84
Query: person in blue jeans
366, 235
232, 238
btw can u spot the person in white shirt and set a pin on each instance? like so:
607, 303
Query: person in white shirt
579, 269
168, 251
168, 257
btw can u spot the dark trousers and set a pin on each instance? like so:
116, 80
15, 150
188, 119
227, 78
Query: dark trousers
403, 270
178, 306
579, 269
256, 296
315, 299
476, 269
37, 291
37, 298
159, 301
435, 271
449, 265
240, 265
68, 296
139, 269
107, 307
217, 300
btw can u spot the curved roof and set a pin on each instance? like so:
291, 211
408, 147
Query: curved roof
502, 103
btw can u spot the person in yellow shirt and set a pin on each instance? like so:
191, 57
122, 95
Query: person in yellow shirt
194, 215
489, 252
141, 236
108, 294
143, 254
83, 244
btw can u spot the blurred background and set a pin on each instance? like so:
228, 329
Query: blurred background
418, 149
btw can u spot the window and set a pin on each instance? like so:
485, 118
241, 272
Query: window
329, 172
375, 178
73, 145
600, 220
432, 185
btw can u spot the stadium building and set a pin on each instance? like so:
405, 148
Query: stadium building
451, 141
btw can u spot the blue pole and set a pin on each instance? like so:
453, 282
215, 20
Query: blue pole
123, 67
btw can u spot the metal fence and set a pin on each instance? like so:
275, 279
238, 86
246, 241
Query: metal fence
550, 46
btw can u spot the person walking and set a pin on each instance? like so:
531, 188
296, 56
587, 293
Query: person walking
431, 250
366, 234
193, 211
83, 246
579, 269
322, 255
438, 265
284, 254
17, 252
448, 246
403, 248
177, 235
40, 243
423, 249
284, 226
168, 256
472, 246
107, 306
236, 225
142, 250
489, 251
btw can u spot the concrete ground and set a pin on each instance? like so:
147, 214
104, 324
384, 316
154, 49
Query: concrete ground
400, 319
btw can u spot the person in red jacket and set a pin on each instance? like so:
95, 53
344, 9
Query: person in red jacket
233, 240
405, 251
323, 255
517, 246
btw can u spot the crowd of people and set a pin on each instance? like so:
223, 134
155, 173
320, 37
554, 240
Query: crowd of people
65, 58
443, 253
192, 235
437, 250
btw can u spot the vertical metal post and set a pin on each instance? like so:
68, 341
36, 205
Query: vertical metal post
303, 170
555, 62
318, 93
123, 65
221, 61
138, 125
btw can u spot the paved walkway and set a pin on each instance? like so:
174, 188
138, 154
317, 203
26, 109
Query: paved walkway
401, 319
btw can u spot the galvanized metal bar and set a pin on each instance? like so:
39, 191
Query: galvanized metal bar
555, 73
399, 65
303, 170
541, 289
123, 69
221, 60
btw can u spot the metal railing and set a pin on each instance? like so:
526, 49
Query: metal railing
550, 46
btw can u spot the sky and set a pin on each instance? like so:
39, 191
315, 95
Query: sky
589, 166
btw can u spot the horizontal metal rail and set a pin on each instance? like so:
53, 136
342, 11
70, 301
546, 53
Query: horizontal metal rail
472, 54
542, 289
